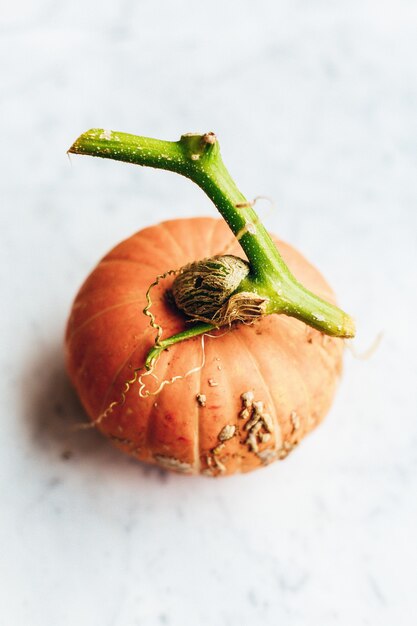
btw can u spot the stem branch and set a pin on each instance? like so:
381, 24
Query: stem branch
198, 158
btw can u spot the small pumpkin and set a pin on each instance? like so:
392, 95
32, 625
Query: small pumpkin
240, 398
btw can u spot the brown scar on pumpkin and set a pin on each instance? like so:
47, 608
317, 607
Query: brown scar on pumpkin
227, 432
267, 456
286, 448
247, 398
214, 465
260, 425
201, 399
295, 420
170, 462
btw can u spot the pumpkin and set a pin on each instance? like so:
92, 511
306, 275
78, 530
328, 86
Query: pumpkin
262, 386
191, 358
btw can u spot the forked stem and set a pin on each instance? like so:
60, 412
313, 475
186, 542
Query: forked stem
198, 158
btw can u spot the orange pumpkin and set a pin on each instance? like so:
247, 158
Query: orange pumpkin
261, 389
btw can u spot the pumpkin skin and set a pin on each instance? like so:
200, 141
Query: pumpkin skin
289, 367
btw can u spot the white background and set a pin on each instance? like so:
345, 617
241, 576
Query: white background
315, 105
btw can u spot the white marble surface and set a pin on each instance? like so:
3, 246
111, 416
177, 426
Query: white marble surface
315, 105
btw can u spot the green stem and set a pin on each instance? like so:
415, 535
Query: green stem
192, 331
198, 157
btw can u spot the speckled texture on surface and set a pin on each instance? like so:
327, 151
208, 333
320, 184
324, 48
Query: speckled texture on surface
315, 106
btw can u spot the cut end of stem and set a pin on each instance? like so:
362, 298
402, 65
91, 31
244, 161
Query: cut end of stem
210, 138
349, 329
84, 143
